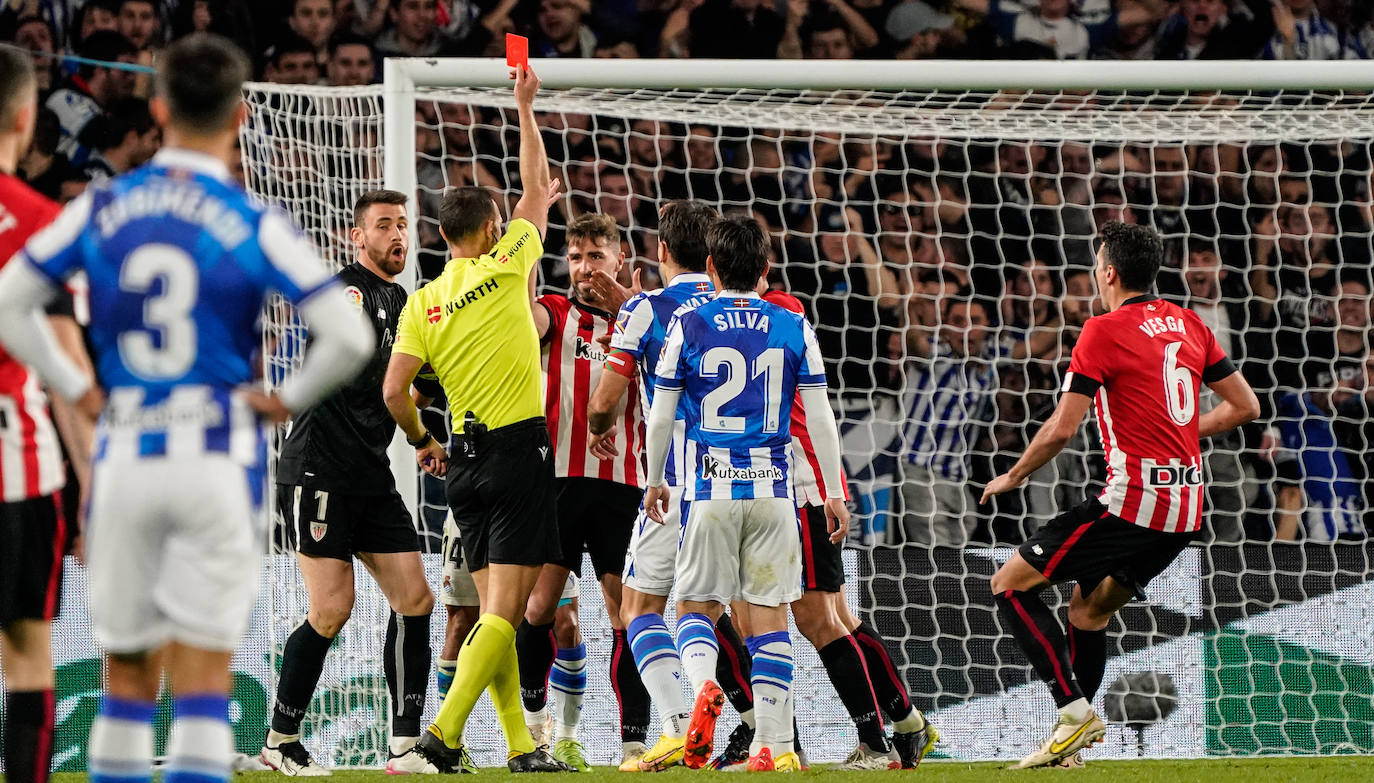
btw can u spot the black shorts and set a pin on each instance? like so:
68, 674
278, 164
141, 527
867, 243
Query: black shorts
34, 536
503, 500
599, 515
822, 566
1087, 544
340, 525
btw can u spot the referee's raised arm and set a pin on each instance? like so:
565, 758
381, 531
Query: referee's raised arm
534, 161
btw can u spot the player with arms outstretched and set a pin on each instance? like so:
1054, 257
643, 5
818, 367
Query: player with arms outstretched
179, 261
1141, 366
739, 362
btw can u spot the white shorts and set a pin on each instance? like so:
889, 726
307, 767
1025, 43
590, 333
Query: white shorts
569, 589
748, 549
651, 562
457, 589
173, 552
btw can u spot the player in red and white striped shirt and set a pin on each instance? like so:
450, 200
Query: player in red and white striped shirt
34, 530
598, 499
1141, 365
854, 655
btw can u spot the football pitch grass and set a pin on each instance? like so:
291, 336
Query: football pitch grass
1327, 769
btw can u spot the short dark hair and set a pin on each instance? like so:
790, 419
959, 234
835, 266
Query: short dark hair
593, 226
683, 226
108, 130
17, 81
342, 38
739, 250
463, 211
288, 43
371, 197
201, 77
106, 46
1135, 251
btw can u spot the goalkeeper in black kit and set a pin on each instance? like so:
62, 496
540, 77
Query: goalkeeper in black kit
338, 499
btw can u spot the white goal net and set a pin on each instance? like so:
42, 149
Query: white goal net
942, 242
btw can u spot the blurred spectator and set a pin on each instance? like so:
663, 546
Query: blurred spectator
94, 15
837, 32
350, 61
36, 34
726, 29
123, 138
43, 167
1319, 497
1300, 33
560, 30
313, 20
1204, 30
951, 388
85, 94
140, 23
608, 47
291, 61
229, 18
917, 29
414, 31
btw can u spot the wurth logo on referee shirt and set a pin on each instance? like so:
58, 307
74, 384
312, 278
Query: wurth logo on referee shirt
434, 314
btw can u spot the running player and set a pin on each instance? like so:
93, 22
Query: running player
597, 498
648, 572
854, 657
179, 260
34, 529
338, 499
1141, 366
739, 362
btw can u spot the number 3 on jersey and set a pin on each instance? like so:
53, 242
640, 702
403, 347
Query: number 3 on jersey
168, 312
768, 364
1178, 387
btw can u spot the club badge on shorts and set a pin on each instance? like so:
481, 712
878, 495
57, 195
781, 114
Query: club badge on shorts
318, 529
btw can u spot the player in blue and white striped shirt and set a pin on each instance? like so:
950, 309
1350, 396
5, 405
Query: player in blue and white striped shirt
738, 363
179, 261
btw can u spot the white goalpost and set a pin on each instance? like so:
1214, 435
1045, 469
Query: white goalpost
887, 186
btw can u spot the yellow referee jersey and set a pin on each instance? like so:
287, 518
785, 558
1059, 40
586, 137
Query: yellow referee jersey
474, 327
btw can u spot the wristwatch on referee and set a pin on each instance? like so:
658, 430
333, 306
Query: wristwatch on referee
422, 442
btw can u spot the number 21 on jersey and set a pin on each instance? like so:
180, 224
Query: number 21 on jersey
737, 372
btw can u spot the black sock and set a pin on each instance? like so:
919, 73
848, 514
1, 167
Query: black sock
535, 649
845, 665
1041, 638
733, 666
1088, 656
405, 660
887, 684
28, 735
302, 660
630, 692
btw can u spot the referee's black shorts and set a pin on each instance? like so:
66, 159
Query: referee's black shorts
503, 500
822, 565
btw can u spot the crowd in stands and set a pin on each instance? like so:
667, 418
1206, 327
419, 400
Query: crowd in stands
948, 279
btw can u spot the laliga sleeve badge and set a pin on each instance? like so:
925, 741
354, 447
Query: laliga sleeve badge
355, 296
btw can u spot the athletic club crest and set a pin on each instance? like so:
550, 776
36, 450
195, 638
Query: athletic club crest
318, 529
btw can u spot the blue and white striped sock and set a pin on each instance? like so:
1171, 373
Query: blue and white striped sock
568, 679
660, 669
443, 675
120, 748
202, 744
696, 643
772, 682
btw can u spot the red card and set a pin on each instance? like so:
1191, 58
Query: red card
517, 51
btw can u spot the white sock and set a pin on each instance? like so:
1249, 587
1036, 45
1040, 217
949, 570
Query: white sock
568, 679
696, 643
659, 666
537, 718
121, 741
201, 746
1076, 711
772, 681
747, 718
400, 745
913, 722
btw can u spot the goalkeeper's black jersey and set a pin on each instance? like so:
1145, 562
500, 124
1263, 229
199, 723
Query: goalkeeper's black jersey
340, 444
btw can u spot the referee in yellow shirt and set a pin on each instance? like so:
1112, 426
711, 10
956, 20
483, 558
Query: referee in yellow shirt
474, 326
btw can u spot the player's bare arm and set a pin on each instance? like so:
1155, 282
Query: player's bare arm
605, 399
1047, 443
1238, 406
400, 374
